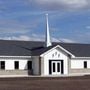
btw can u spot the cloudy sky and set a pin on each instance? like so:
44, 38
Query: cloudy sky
69, 20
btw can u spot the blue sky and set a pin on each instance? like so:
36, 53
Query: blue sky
69, 20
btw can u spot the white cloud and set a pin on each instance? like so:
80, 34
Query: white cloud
67, 40
66, 4
55, 40
21, 37
87, 27
13, 31
35, 37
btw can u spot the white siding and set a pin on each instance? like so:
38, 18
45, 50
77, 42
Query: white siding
76, 64
54, 55
79, 63
23, 64
9, 63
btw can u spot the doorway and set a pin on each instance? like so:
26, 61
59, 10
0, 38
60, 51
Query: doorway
56, 67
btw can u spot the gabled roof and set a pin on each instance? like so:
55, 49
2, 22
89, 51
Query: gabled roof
17, 48
29, 48
43, 50
79, 50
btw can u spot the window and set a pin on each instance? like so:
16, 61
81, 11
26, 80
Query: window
16, 64
2, 64
29, 65
85, 64
58, 67
53, 67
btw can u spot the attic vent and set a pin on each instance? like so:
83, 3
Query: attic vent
58, 55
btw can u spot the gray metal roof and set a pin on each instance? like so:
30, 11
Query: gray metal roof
17, 48
28, 48
79, 50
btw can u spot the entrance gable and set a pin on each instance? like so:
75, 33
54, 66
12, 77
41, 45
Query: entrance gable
55, 56
56, 51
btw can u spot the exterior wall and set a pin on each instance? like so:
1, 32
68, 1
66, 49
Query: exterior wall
36, 65
55, 54
9, 66
42, 66
14, 72
77, 66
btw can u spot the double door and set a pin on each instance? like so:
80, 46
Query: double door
56, 67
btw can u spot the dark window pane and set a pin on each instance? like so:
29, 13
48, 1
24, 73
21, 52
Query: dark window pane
29, 65
85, 64
53, 67
16, 65
2, 64
58, 67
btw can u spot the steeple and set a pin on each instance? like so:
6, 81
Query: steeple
48, 40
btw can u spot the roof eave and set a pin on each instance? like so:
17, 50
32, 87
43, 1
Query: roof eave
81, 58
15, 56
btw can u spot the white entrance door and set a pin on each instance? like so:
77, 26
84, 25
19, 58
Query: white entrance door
56, 67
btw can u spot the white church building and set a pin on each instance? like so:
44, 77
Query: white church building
43, 58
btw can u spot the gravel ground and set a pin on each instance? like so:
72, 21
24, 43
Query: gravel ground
45, 83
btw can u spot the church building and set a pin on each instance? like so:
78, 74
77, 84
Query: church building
25, 58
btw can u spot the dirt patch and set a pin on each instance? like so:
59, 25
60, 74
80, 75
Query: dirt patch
45, 83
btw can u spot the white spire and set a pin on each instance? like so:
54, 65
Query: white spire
48, 41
